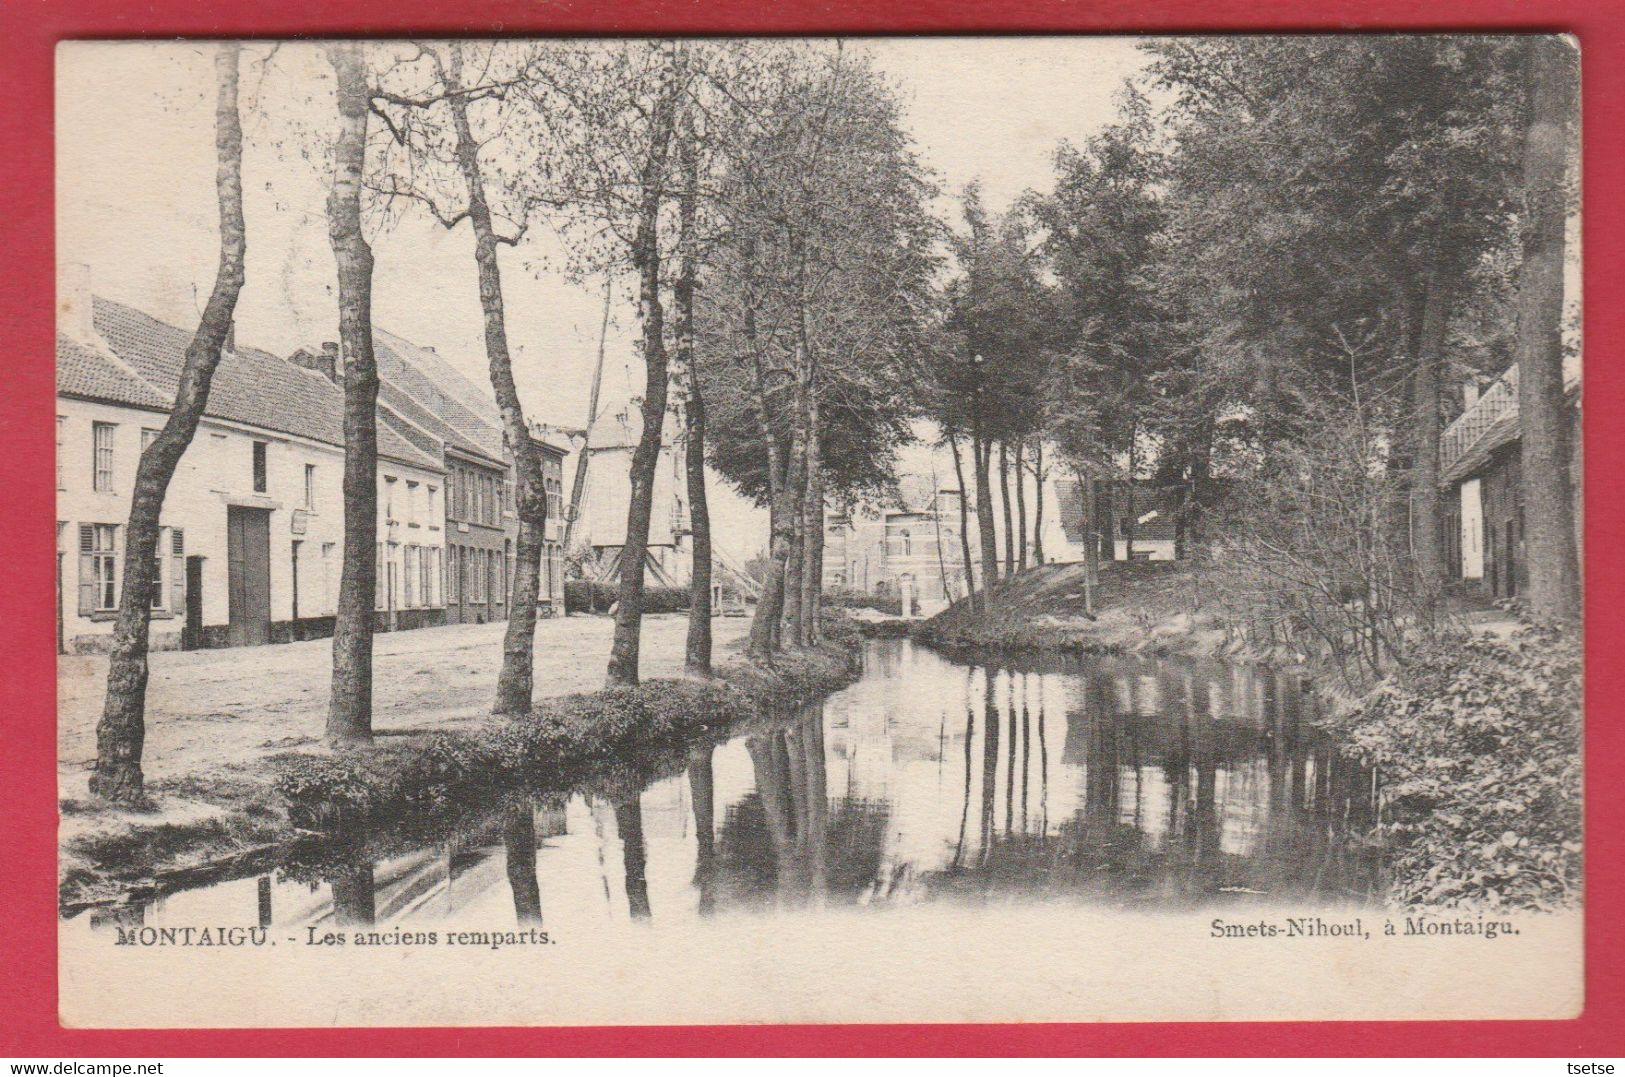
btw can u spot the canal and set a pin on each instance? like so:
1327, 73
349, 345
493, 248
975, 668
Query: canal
1116, 782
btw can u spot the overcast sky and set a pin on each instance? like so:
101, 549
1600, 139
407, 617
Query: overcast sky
136, 196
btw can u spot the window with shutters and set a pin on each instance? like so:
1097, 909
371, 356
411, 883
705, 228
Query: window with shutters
177, 569
98, 568
101, 439
260, 484
159, 555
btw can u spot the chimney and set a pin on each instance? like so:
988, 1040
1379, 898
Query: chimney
328, 362
73, 302
1469, 394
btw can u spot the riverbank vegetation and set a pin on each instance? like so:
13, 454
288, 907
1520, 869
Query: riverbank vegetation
1477, 746
604, 742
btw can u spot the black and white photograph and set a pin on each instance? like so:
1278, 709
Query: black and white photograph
818, 530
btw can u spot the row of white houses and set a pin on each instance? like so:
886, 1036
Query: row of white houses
252, 527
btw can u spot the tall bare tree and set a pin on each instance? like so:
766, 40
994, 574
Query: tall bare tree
429, 102
349, 710
121, 733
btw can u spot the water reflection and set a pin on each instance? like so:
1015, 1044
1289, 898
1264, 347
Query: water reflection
1124, 781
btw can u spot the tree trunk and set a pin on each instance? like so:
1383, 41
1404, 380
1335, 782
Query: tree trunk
795, 491
1132, 516
1038, 508
1551, 556
121, 733
982, 453
1021, 504
697, 653
964, 522
349, 711
764, 626
623, 657
1091, 539
812, 517
516, 679
1004, 505
1428, 420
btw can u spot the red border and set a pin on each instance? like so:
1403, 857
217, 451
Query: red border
29, 30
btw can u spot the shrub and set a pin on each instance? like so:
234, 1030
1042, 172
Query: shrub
610, 742
891, 605
591, 596
1477, 745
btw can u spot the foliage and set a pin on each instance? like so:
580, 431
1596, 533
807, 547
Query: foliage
890, 604
1477, 746
606, 742
593, 596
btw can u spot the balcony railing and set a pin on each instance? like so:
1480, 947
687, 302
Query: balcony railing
1498, 401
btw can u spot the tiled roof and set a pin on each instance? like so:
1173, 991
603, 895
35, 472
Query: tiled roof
85, 371
142, 368
409, 414
455, 401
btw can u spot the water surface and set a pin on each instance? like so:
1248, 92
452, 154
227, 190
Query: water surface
1116, 782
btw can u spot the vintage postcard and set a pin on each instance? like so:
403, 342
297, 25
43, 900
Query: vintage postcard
667, 531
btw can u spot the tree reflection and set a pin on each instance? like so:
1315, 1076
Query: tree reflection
519, 849
629, 824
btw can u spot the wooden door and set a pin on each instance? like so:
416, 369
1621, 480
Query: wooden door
248, 561
192, 636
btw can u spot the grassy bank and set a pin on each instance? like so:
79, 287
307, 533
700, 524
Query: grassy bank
1139, 607
239, 818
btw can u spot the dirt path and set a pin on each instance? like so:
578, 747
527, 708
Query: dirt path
212, 710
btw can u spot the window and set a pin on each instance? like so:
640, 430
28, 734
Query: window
389, 498
101, 437
310, 487
430, 511
98, 568
1122, 526
259, 467
555, 499
378, 579
411, 504
500, 565
61, 425
148, 436
409, 558
158, 554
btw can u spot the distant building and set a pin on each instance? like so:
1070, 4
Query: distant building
1481, 469
425, 400
251, 539
600, 530
909, 548
1149, 518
